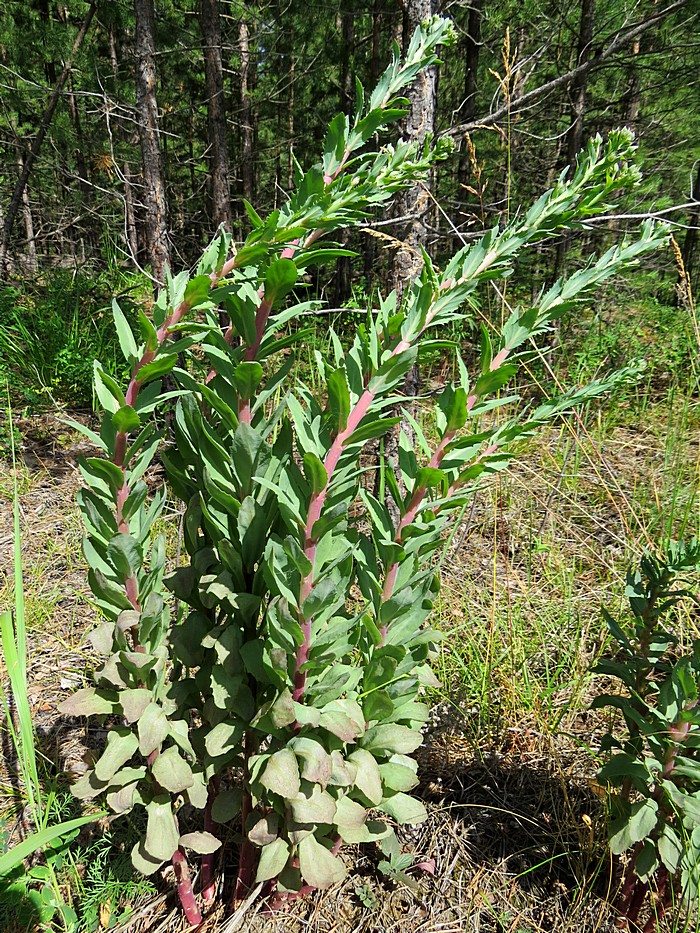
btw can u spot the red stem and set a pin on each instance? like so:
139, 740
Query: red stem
209, 858
661, 900
315, 506
184, 889
248, 857
409, 516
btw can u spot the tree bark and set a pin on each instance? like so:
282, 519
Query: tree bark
18, 194
247, 168
216, 114
370, 247
149, 135
579, 85
472, 47
32, 262
690, 243
574, 135
130, 224
420, 122
342, 285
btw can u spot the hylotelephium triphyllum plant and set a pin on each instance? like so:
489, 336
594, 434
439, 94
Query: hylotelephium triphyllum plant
288, 698
654, 769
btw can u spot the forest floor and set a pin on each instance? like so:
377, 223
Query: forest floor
515, 839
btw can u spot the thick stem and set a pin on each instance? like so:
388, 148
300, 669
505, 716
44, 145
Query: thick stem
637, 900
184, 889
209, 858
247, 860
629, 882
661, 900
261, 319
313, 515
409, 515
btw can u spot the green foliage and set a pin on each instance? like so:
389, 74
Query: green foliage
651, 328
653, 769
38, 893
304, 644
50, 332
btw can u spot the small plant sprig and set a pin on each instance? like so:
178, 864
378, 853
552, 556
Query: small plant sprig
288, 697
653, 770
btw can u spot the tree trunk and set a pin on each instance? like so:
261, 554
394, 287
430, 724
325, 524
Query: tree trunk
149, 135
579, 86
130, 214
690, 243
419, 122
216, 114
290, 109
370, 248
342, 285
633, 94
472, 47
18, 194
574, 135
247, 174
130, 225
32, 264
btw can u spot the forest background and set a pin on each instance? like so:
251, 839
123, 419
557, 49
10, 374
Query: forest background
130, 131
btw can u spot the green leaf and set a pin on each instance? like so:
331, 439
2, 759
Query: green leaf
197, 291
162, 364
105, 470
121, 746
142, 861
162, 837
404, 809
202, 842
315, 473
149, 334
281, 774
280, 279
172, 772
86, 702
125, 420
253, 216
247, 377
272, 860
368, 779
226, 805
36, 841
632, 828
398, 776
223, 738
265, 830
125, 554
318, 866
339, 398
317, 766
349, 814
392, 739
124, 334
312, 805
670, 848
152, 728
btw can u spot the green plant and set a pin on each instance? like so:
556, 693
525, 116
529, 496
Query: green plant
288, 694
50, 332
654, 766
47, 835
